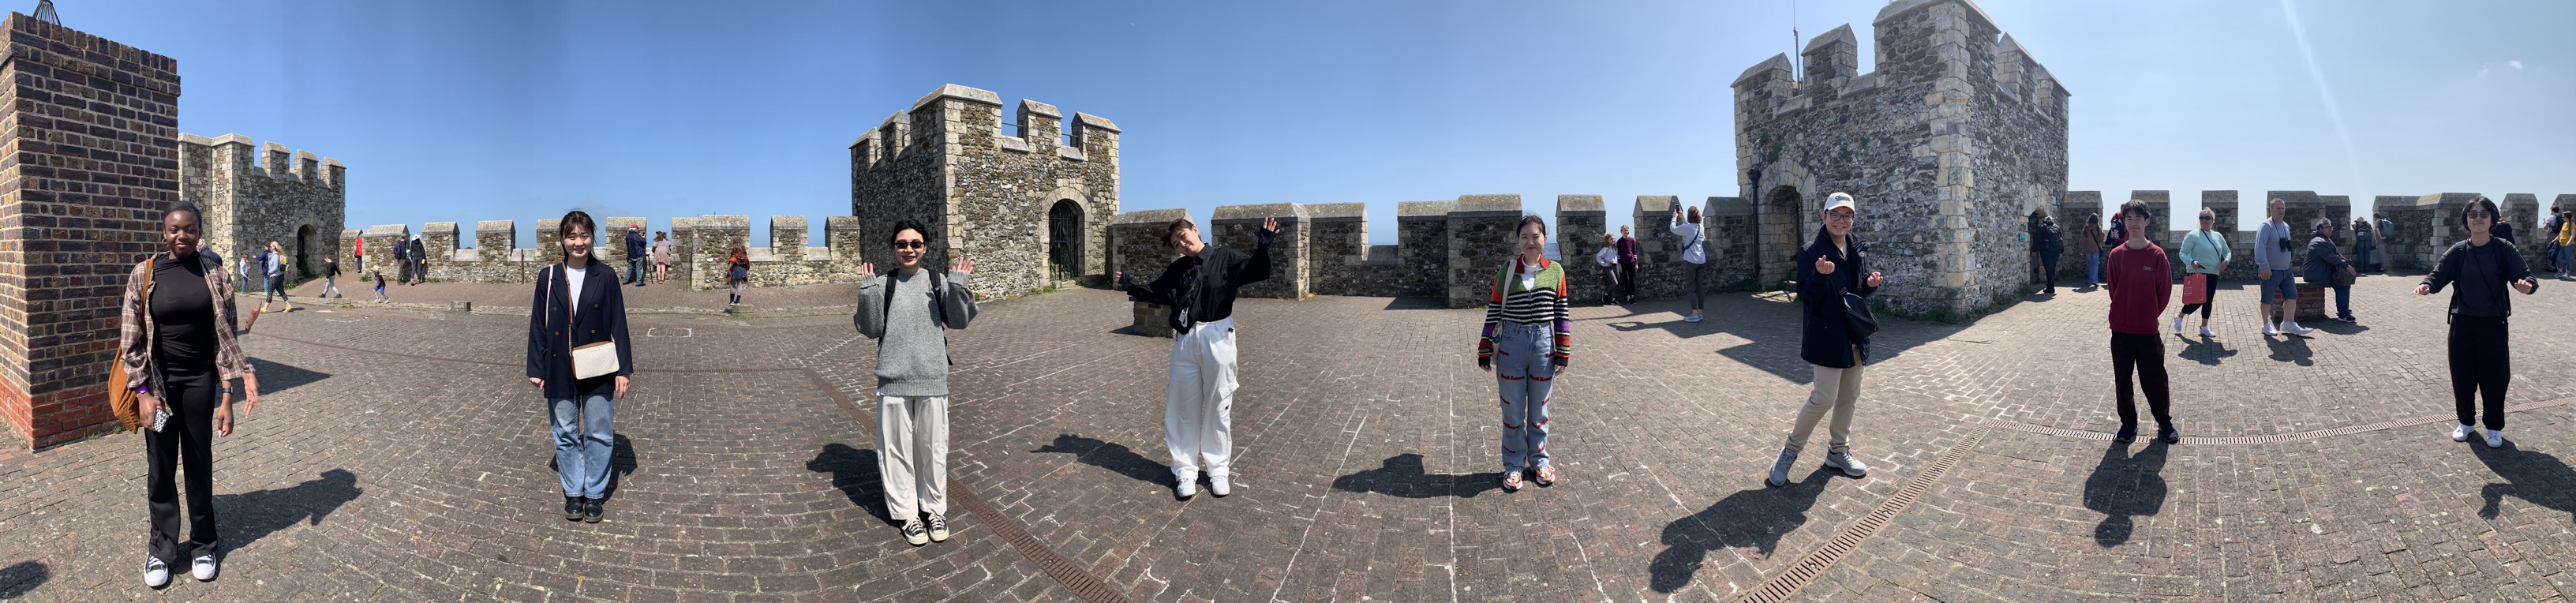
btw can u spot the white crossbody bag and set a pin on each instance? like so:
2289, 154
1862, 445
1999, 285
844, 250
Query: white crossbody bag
590, 360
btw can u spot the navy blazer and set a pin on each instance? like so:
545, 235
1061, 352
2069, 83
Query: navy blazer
602, 318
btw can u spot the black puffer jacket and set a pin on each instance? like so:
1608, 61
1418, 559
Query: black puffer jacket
1828, 343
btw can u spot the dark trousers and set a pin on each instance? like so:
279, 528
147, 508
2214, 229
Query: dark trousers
2481, 362
2145, 354
183, 443
2203, 307
1610, 284
1628, 281
2048, 264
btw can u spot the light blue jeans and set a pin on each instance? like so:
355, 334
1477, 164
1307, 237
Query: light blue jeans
2093, 267
1528, 378
584, 442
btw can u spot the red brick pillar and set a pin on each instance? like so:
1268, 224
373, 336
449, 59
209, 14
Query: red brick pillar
89, 157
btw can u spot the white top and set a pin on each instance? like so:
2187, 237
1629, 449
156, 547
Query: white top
573, 278
1691, 251
1608, 256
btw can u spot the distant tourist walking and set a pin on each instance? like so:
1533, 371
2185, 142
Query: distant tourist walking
2566, 239
1608, 259
2364, 241
2046, 241
419, 262
2272, 254
908, 312
661, 257
402, 258
1627, 265
1198, 398
2204, 255
1694, 257
275, 269
2088, 242
1527, 341
242, 273
737, 275
380, 287
2481, 355
330, 278
635, 250
358, 255
1834, 286
578, 311
2328, 268
177, 349
2141, 282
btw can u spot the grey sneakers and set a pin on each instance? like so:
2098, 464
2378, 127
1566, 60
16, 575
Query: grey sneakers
938, 527
1850, 465
2462, 433
1780, 468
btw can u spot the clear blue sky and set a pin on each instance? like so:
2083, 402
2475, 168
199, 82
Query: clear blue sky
478, 110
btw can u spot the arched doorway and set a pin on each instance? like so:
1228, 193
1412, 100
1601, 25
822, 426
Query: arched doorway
304, 251
1064, 240
1785, 227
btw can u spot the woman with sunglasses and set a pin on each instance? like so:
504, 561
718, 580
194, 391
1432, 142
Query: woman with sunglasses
2204, 255
2481, 357
909, 312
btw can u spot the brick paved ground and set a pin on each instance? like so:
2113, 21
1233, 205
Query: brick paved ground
400, 456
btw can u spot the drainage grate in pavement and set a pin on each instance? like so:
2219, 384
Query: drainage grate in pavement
1787, 583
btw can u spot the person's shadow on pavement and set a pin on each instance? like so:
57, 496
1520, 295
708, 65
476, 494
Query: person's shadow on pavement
1758, 517
854, 472
1402, 476
2124, 486
249, 516
1117, 458
2536, 477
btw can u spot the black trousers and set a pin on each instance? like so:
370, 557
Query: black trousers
2145, 354
1610, 284
185, 442
2203, 307
2048, 264
1628, 281
2481, 362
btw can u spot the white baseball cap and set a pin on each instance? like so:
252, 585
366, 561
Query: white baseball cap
1839, 199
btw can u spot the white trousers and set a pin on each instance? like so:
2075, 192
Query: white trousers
1198, 402
912, 454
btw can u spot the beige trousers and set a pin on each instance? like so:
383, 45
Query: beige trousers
1838, 390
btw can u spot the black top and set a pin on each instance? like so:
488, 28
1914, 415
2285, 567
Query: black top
1201, 288
1829, 341
602, 318
330, 267
2483, 272
183, 314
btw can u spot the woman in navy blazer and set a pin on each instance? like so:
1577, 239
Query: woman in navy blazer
578, 303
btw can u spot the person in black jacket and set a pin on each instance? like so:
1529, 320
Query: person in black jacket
1198, 400
2324, 262
578, 303
2481, 357
2046, 241
1831, 266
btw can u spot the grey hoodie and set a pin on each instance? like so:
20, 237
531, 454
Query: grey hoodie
912, 351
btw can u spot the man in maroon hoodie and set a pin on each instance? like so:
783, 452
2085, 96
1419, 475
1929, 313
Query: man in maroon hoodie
2140, 283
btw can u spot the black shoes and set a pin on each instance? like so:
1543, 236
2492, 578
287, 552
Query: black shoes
2168, 434
572, 507
590, 510
2128, 433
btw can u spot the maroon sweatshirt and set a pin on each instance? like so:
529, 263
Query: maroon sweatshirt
2140, 282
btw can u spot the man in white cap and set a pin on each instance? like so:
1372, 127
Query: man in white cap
1830, 267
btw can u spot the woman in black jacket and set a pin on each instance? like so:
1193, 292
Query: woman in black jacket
1830, 266
579, 303
2481, 358
2324, 262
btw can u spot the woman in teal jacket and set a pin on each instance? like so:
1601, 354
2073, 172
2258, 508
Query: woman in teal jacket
2204, 254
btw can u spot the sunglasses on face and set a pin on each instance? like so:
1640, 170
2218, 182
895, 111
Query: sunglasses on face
911, 244
2481, 215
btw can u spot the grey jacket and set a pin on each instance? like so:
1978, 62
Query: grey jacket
2324, 260
912, 346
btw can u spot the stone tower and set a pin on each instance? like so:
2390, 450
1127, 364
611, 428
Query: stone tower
1953, 138
1032, 207
89, 158
253, 197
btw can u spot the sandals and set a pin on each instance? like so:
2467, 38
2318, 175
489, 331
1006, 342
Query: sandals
1511, 481
1547, 476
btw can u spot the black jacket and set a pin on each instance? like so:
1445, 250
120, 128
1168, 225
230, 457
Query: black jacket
2484, 273
602, 318
2044, 237
1203, 284
1828, 342
2324, 260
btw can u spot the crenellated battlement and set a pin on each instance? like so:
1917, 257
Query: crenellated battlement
1946, 46
233, 155
2422, 225
253, 194
700, 247
1027, 194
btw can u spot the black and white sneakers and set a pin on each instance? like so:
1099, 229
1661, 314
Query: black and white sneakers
204, 568
938, 527
916, 533
156, 574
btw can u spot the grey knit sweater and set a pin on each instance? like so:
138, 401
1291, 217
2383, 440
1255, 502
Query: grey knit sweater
912, 351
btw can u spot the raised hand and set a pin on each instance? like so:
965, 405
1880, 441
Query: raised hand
867, 269
1270, 226
1875, 278
1824, 265
964, 266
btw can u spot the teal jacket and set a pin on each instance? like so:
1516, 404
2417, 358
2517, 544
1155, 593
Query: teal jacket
2207, 247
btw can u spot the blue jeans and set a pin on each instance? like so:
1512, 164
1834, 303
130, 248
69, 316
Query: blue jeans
635, 271
2278, 287
2093, 267
2566, 259
1528, 379
584, 442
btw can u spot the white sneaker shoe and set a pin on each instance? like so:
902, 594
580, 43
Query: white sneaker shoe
156, 574
2177, 323
203, 568
2205, 332
2495, 438
938, 527
1691, 318
1220, 485
1850, 465
1189, 486
2293, 328
2462, 433
2268, 331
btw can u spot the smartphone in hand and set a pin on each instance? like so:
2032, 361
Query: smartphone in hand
160, 417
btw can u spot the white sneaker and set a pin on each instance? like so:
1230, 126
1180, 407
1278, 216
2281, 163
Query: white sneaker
2268, 331
2177, 323
2495, 438
1691, 318
156, 574
1220, 485
1187, 489
1850, 465
2293, 328
914, 532
2462, 433
2205, 332
203, 568
938, 527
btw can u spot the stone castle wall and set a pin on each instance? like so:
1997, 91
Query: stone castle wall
254, 196
991, 194
2423, 225
700, 247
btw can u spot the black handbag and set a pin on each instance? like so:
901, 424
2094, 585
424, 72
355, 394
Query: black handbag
1856, 316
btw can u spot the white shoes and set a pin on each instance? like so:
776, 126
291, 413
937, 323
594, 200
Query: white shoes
2462, 433
1189, 486
203, 568
1691, 318
2495, 438
1220, 485
2268, 331
2205, 332
2293, 328
156, 574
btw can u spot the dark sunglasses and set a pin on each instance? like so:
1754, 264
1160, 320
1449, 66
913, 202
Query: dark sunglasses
911, 244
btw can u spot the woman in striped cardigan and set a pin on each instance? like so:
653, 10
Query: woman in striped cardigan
1529, 336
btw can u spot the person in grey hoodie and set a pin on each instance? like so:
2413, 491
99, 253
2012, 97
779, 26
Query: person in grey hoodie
907, 311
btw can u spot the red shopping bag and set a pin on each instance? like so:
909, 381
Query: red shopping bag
2195, 288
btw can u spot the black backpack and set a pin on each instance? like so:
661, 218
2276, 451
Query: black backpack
938, 308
